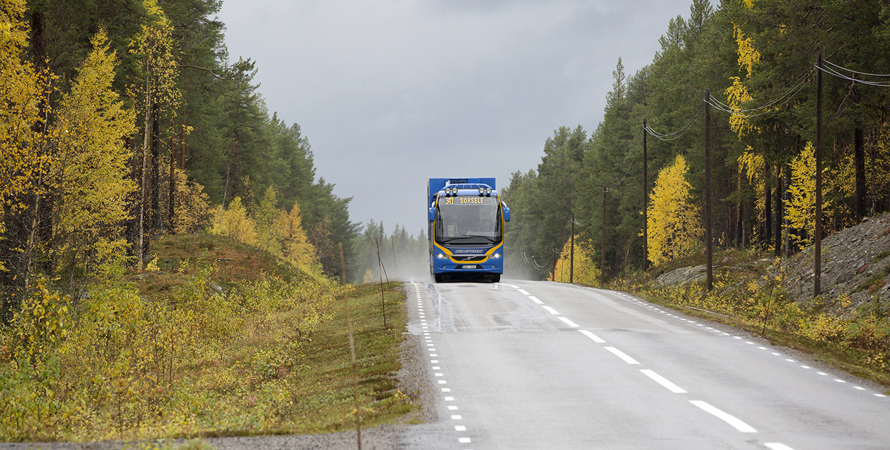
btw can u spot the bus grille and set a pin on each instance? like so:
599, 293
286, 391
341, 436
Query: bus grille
469, 258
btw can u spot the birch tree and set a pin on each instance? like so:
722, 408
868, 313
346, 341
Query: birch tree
89, 173
23, 96
675, 227
157, 91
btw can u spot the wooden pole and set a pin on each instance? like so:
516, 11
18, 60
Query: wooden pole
380, 273
572, 253
817, 246
708, 244
645, 201
342, 265
603, 245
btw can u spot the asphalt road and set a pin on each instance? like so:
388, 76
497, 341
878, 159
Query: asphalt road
535, 365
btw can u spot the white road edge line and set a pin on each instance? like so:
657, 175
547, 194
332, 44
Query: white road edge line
523, 292
622, 355
535, 299
731, 420
569, 322
663, 381
777, 446
595, 338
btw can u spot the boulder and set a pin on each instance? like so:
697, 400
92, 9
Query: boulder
683, 276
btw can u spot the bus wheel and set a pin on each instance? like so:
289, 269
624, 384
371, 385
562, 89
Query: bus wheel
439, 277
496, 278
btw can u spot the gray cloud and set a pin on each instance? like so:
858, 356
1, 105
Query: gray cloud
392, 92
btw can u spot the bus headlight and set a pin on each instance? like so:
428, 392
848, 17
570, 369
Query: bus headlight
496, 256
440, 256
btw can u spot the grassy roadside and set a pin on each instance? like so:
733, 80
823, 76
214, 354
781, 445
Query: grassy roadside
217, 339
748, 295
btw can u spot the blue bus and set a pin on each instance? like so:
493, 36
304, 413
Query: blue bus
466, 229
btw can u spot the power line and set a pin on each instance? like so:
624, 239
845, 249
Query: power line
879, 75
800, 83
835, 73
676, 134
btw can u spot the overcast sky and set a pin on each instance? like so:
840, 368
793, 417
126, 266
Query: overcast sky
393, 92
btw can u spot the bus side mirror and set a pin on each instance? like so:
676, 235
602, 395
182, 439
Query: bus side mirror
506, 214
432, 214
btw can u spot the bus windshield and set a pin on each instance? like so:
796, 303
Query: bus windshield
468, 220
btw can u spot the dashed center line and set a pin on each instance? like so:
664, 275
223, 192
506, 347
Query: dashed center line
622, 355
667, 384
777, 446
730, 419
550, 310
595, 338
663, 381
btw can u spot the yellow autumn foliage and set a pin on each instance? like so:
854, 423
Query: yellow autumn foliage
277, 231
24, 91
673, 221
192, 204
291, 238
233, 222
584, 269
753, 165
89, 171
800, 208
877, 169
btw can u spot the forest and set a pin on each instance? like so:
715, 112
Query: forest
127, 119
743, 78
170, 262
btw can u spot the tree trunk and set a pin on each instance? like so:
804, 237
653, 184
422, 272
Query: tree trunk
859, 206
780, 189
740, 222
182, 147
146, 143
171, 198
767, 205
861, 189
155, 170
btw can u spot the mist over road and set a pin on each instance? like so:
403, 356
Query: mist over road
534, 365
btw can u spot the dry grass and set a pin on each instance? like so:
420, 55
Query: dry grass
254, 346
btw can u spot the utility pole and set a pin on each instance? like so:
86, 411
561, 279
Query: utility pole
708, 244
603, 245
817, 246
645, 201
572, 253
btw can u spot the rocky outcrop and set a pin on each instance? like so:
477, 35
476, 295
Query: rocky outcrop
855, 262
682, 276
